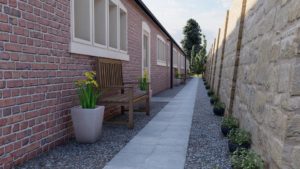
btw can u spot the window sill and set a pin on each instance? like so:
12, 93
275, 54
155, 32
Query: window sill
84, 49
161, 63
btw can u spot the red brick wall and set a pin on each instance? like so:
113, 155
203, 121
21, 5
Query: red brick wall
160, 75
37, 74
36, 78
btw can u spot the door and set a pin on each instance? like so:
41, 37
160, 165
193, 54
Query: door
146, 54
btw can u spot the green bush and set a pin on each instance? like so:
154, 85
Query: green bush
230, 122
210, 93
215, 98
219, 105
239, 136
246, 159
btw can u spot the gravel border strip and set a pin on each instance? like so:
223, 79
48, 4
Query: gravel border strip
96, 156
207, 147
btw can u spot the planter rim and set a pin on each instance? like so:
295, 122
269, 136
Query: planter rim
79, 107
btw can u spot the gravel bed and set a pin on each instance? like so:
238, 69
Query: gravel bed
96, 156
207, 147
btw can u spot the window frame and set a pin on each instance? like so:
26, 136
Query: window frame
80, 46
161, 62
146, 31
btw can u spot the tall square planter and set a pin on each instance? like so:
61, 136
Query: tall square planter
87, 123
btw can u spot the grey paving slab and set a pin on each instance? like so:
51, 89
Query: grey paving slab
163, 142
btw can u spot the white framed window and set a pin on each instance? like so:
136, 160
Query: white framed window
99, 28
168, 54
175, 58
161, 51
182, 62
146, 49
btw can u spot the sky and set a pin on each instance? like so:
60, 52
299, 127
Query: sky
173, 14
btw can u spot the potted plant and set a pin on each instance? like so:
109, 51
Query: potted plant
219, 108
210, 93
143, 81
214, 99
207, 87
229, 123
177, 77
88, 117
239, 138
246, 159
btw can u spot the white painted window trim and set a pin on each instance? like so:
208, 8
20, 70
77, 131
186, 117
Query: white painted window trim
159, 61
175, 57
182, 60
146, 31
92, 48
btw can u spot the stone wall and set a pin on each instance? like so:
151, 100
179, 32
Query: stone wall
267, 96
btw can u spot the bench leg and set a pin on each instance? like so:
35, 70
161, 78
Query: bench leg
148, 107
130, 116
122, 110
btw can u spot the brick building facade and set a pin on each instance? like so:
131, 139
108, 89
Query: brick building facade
38, 70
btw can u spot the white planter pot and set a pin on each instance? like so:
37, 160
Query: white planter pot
87, 123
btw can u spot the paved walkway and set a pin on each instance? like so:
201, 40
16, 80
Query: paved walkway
163, 143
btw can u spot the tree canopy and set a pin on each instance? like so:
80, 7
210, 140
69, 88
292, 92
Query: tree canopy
194, 45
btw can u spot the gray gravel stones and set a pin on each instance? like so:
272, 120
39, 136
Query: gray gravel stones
207, 147
93, 156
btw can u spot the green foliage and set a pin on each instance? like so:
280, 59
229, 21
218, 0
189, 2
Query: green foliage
192, 37
215, 98
246, 159
210, 93
143, 81
177, 75
230, 122
88, 91
219, 105
239, 136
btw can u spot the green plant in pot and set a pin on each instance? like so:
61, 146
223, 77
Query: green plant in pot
219, 108
207, 87
229, 123
239, 138
214, 99
210, 93
143, 81
88, 117
246, 159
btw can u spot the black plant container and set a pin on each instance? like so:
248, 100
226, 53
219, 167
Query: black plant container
233, 147
212, 101
225, 130
219, 111
207, 87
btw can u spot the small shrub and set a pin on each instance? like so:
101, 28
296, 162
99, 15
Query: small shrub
246, 159
239, 136
214, 99
229, 123
219, 108
210, 93
207, 87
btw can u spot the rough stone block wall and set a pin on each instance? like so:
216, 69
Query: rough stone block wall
267, 97
230, 51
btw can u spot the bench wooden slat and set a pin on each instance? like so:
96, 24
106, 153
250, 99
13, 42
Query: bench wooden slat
109, 73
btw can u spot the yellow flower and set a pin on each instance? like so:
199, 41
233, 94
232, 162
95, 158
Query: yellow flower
90, 79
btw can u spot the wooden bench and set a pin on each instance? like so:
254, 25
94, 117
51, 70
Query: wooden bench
118, 93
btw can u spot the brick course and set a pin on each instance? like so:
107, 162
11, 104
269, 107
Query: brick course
37, 74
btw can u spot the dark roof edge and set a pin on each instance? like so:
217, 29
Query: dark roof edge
151, 15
